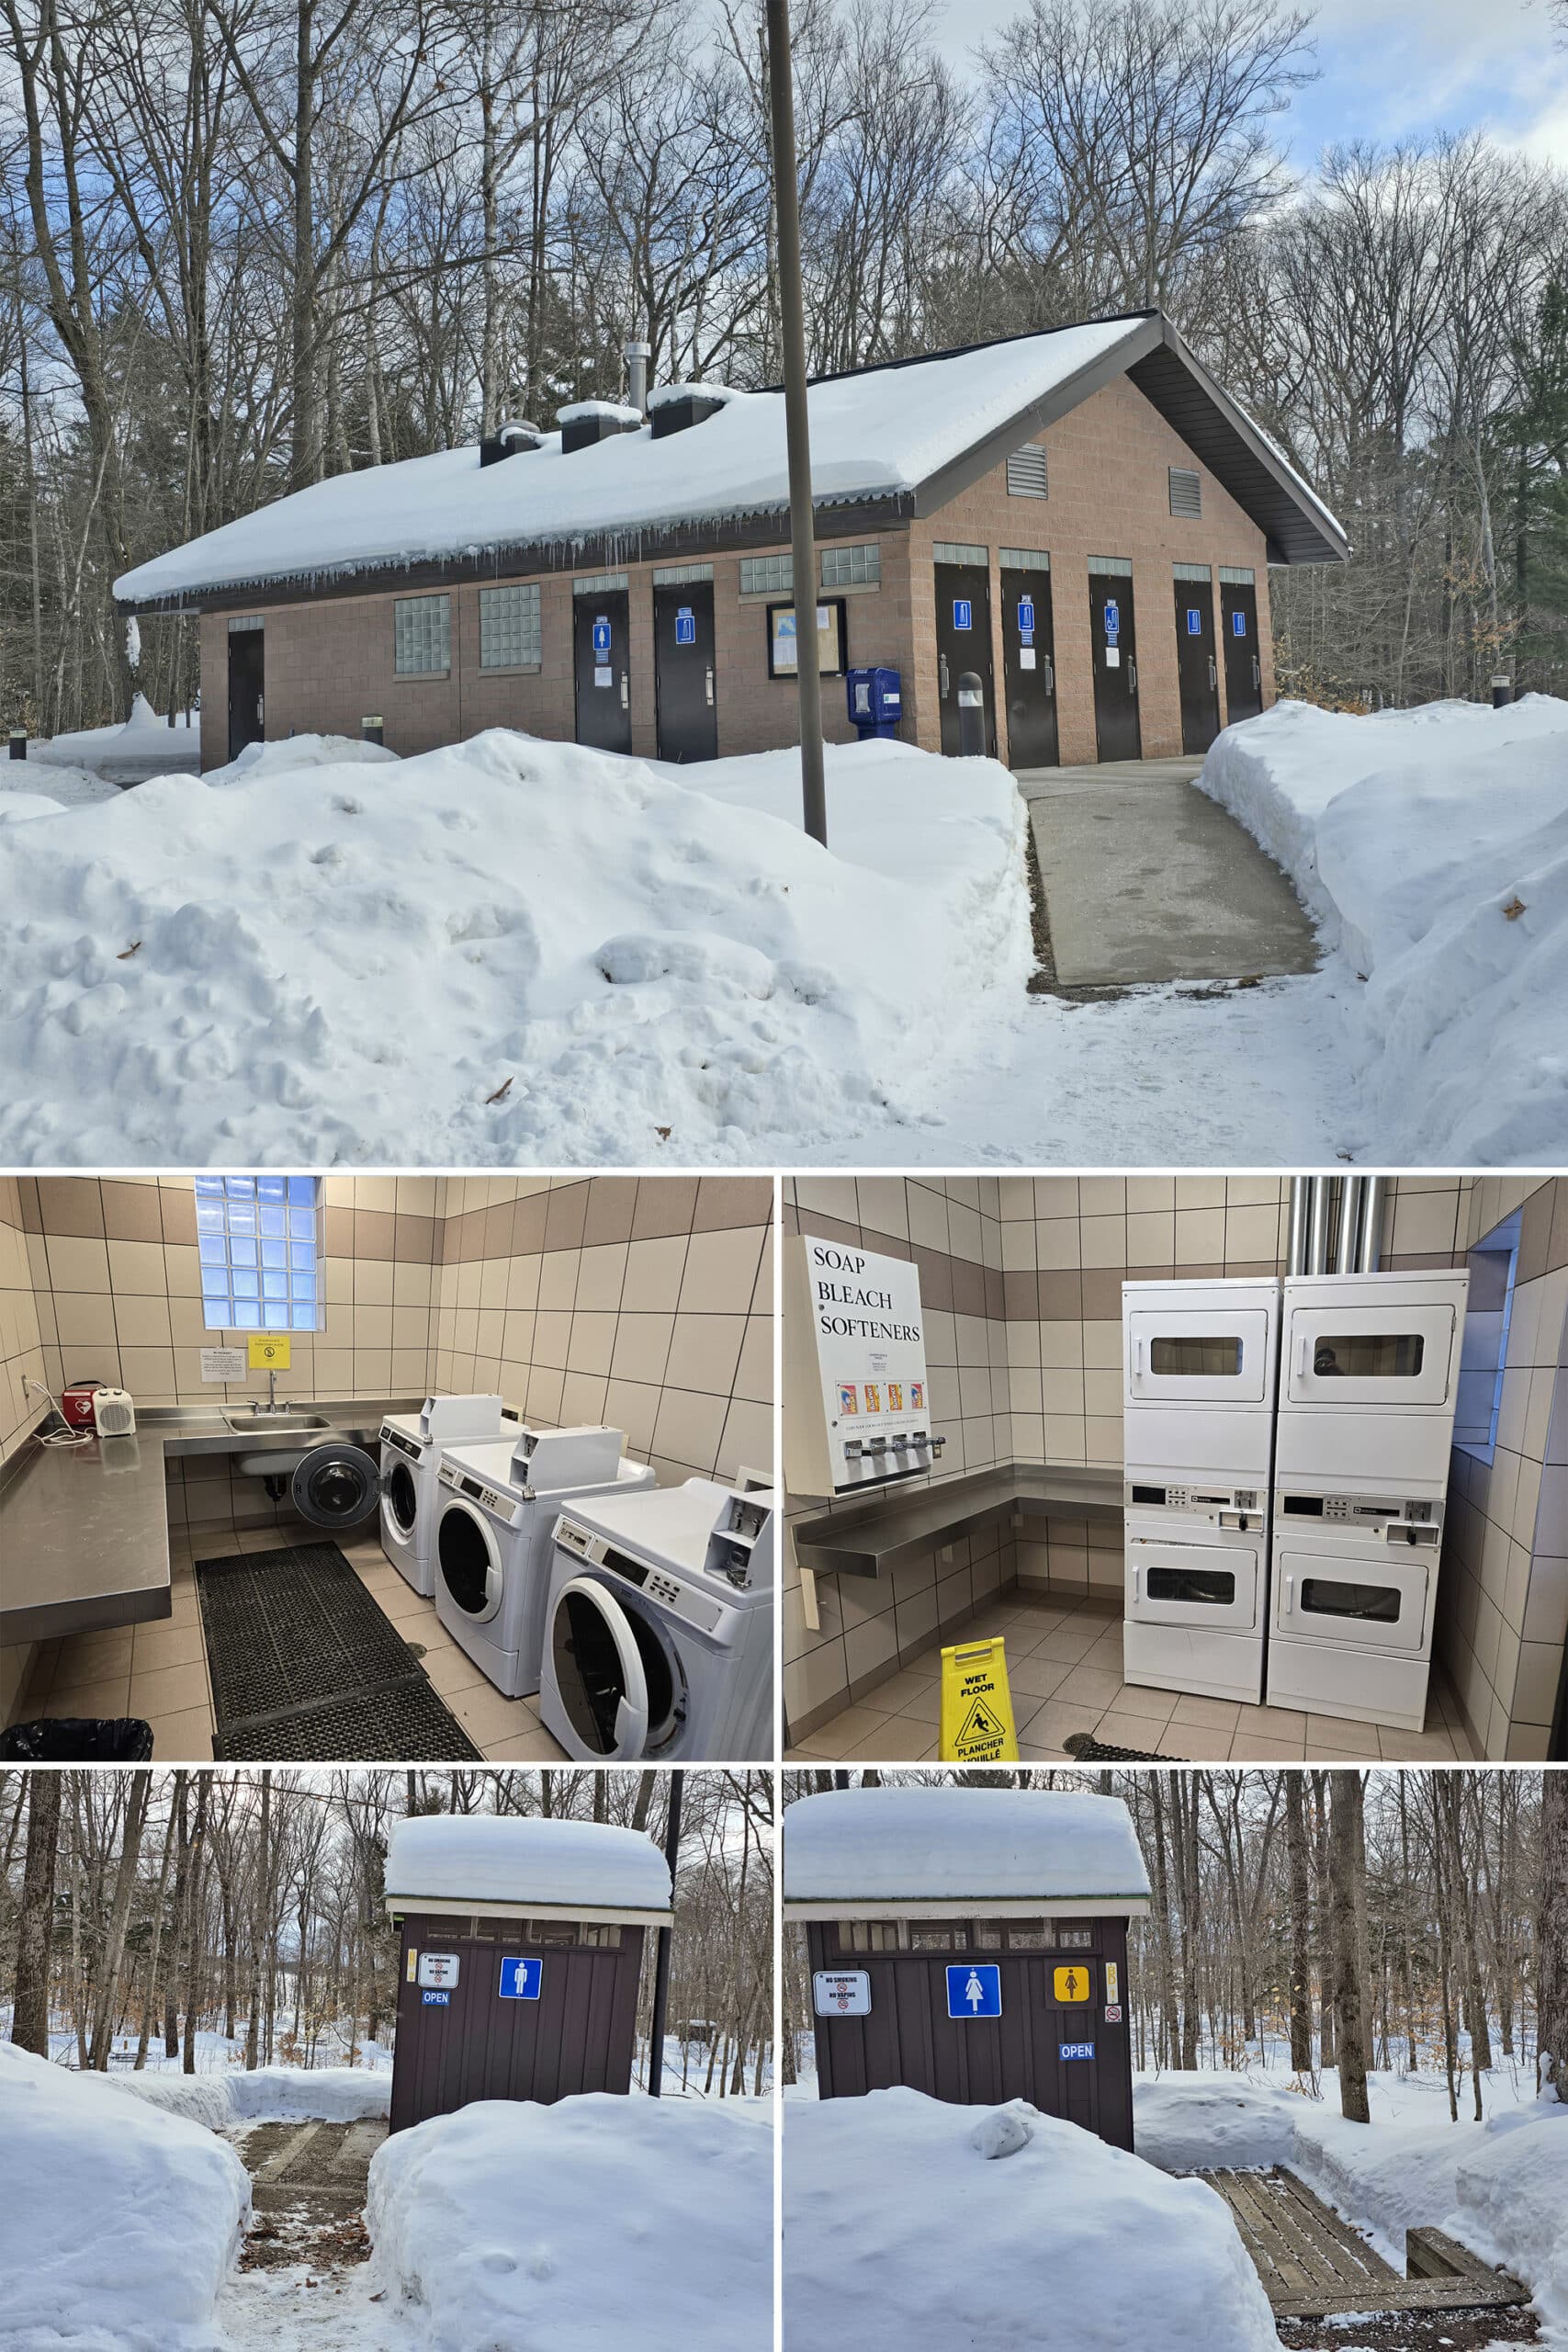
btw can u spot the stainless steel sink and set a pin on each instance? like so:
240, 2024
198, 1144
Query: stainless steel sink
276, 1424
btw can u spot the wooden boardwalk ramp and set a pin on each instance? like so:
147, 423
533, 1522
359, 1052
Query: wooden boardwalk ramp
1312, 2264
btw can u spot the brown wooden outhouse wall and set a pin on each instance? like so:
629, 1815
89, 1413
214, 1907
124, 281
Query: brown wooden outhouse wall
578, 2036
908, 2038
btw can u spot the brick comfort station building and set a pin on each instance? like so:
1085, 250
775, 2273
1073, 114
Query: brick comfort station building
1084, 518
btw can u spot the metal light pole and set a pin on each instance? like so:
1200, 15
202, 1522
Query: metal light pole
802, 538
661, 1958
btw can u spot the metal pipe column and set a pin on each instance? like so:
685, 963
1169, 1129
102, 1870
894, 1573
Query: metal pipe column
661, 1958
1301, 1217
1368, 1254
1352, 1192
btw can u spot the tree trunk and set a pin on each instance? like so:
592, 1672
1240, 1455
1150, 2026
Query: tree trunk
1347, 1869
29, 2023
112, 1964
1551, 1938
1300, 1924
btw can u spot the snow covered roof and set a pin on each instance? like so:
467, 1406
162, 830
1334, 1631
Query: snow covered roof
899, 440
858, 1852
498, 1862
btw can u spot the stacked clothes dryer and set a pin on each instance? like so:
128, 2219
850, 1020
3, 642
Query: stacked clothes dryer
1369, 1381
1198, 1375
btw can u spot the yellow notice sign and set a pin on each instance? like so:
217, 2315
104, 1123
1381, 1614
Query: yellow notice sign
976, 1707
1073, 1985
269, 1352
414, 1968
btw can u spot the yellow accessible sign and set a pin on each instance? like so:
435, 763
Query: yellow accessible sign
976, 1707
268, 1353
1073, 1985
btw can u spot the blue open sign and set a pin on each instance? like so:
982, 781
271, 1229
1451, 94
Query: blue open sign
1071, 2050
962, 612
436, 2000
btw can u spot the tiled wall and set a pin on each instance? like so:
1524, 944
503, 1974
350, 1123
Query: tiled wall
21, 1351
643, 1302
1502, 1594
1022, 1280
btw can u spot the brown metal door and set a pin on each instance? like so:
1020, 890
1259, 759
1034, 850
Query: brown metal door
1028, 670
1118, 735
684, 686
1244, 665
247, 688
600, 630
963, 643
577, 2035
1197, 673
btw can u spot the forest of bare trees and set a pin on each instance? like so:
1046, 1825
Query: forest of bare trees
249, 243
1311, 1921
143, 1911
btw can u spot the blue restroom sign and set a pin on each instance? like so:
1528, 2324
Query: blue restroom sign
602, 635
962, 613
1113, 621
1194, 621
1239, 624
685, 625
521, 1979
435, 2000
1026, 620
974, 1990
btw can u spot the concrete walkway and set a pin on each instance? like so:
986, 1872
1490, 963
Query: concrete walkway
1147, 879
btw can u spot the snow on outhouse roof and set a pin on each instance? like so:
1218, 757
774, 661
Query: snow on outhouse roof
449, 1861
903, 437
864, 1850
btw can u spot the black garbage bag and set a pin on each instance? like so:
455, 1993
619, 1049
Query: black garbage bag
78, 1739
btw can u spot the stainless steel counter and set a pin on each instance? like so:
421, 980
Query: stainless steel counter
870, 1538
85, 1529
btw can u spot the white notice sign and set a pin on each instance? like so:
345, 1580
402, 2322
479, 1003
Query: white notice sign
224, 1363
438, 1968
841, 1992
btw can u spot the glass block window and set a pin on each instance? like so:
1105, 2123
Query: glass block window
239, 623
1027, 475
599, 583
509, 633
1120, 567
852, 567
1024, 559
259, 1245
1186, 493
421, 635
680, 575
1192, 572
768, 575
958, 551
1239, 576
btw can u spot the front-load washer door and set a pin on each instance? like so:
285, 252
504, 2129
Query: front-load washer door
617, 1670
1210, 1585
1217, 1355
336, 1486
400, 1499
1401, 1356
1380, 1603
467, 1561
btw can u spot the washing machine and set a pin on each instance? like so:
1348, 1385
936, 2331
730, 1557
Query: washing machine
1200, 1364
1368, 1384
410, 1455
496, 1509
659, 1640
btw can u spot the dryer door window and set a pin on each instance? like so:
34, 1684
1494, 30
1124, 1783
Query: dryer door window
336, 1486
1198, 1356
401, 1499
1194, 1584
1371, 1604
617, 1670
1371, 1355
467, 1559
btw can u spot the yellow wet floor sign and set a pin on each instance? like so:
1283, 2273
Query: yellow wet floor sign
976, 1707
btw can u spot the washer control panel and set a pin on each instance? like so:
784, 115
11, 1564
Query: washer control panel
503, 1507
397, 1439
680, 1600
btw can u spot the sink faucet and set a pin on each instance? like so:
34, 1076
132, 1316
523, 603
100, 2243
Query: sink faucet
271, 1405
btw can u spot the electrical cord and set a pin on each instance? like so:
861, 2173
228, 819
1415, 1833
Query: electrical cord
64, 1436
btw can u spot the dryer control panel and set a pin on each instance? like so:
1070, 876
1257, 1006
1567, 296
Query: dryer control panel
1218, 1503
1403, 1520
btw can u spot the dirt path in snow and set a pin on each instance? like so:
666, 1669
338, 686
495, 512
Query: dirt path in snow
302, 2284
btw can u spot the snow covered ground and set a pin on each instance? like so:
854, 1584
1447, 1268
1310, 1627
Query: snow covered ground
266, 2094
144, 745
904, 2234
118, 2223
520, 952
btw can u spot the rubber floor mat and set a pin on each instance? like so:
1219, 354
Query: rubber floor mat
298, 1651
1086, 1749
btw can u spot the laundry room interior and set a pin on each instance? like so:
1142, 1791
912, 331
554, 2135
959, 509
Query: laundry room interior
210, 1369
1244, 1468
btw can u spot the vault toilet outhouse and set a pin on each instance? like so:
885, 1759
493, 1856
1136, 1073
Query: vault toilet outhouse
521, 1954
971, 1943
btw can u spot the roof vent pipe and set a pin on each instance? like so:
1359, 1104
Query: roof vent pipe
513, 438
1368, 1250
1301, 1215
637, 356
1352, 1192
1317, 1227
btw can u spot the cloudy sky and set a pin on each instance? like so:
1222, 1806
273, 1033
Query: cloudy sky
1400, 68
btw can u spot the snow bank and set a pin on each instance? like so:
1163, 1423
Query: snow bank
932, 1844
485, 1858
69, 788
266, 2095
321, 965
1432, 845
144, 745
899, 2236
16, 807
595, 2222
300, 752
1199, 2124
118, 2223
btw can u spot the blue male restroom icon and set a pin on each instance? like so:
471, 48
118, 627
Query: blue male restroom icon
521, 1979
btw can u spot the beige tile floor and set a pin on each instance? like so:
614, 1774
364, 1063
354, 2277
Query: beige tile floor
159, 1671
1064, 1672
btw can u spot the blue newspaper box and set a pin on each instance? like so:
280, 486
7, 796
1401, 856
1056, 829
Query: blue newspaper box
875, 700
